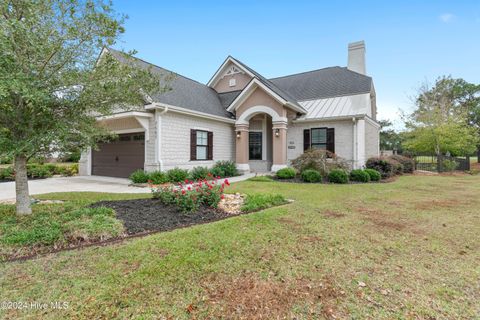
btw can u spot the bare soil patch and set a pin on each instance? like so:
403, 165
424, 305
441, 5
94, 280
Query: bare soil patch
250, 297
332, 214
435, 203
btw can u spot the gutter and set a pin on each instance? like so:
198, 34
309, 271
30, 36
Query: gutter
167, 107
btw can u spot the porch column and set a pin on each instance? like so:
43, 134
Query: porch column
279, 142
241, 138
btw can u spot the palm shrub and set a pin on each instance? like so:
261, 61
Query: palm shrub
224, 169
311, 175
338, 176
177, 175
139, 176
199, 173
359, 175
286, 173
158, 177
374, 174
407, 163
385, 166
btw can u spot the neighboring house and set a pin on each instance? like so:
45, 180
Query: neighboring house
239, 115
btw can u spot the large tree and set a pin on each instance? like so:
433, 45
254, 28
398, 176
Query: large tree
389, 138
441, 121
52, 84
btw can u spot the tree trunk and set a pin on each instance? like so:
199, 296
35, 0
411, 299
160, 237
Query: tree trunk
21, 186
478, 155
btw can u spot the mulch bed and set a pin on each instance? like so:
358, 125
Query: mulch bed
144, 215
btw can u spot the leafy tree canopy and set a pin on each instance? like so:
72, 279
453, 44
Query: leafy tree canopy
52, 85
443, 118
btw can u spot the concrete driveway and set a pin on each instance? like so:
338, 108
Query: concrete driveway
68, 184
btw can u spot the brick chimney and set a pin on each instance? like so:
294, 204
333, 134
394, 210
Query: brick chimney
356, 57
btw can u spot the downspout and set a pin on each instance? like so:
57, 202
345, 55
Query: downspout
159, 135
355, 147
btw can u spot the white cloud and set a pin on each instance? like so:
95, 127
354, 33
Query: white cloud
446, 17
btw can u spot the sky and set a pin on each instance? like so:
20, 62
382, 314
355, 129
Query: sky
407, 42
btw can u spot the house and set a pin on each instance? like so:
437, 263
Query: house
239, 115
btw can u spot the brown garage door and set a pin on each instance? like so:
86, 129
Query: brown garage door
121, 157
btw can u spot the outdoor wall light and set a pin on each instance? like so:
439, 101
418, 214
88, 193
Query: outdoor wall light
277, 132
238, 134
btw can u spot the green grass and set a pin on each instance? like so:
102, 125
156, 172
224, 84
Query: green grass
261, 179
254, 202
413, 245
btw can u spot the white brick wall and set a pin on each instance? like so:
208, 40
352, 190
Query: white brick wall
343, 137
372, 140
175, 140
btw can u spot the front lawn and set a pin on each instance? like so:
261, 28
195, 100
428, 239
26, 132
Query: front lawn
407, 249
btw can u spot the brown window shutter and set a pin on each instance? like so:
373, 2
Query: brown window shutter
193, 144
210, 146
306, 139
331, 139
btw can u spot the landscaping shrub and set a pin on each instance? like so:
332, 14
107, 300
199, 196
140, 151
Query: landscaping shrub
177, 175
139, 176
449, 165
374, 174
397, 167
7, 173
224, 169
385, 166
338, 176
407, 163
359, 176
286, 173
322, 161
254, 202
189, 198
311, 175
66, 170
38, 171
158, 177
199, 173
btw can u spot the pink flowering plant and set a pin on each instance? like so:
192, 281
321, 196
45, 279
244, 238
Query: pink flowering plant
190, 195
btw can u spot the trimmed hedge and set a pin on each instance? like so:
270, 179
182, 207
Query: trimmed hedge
139, 176
359, 175
311, 175
40, 171
385, 166
338, 176
177, 175
407, 163
286, 173
374, 174
222, 169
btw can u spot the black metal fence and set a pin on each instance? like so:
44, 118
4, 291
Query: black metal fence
441, 163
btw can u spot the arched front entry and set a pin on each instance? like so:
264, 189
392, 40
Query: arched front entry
261, 140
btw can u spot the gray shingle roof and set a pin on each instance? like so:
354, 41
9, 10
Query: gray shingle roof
185, 92
310, 85
324, 83
226, 98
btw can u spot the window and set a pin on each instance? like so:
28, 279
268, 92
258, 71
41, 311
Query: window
201, 145
255, 145
232, 82
319, 138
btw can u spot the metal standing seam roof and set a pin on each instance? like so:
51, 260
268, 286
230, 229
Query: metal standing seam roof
358, 104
